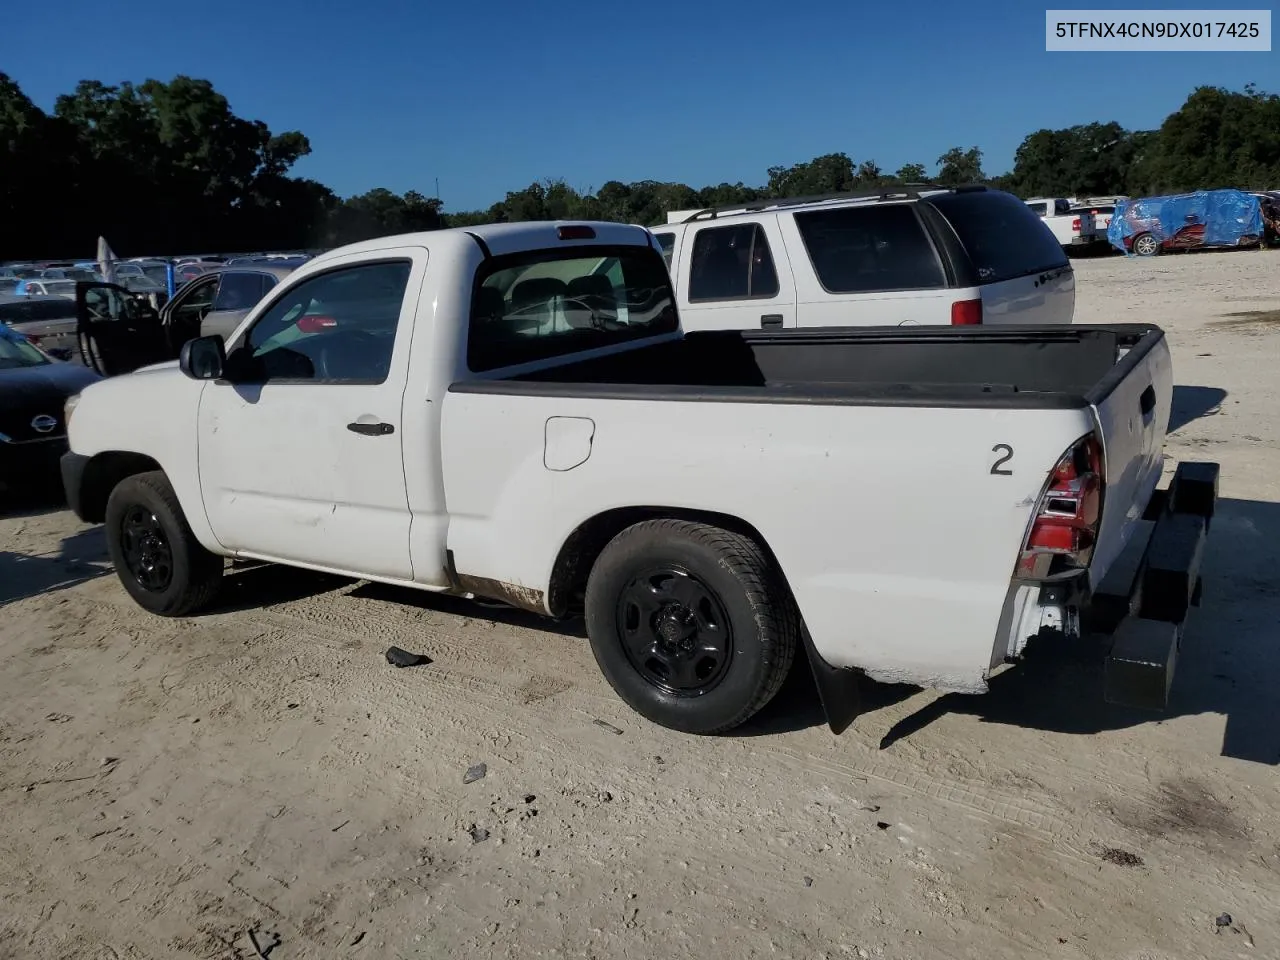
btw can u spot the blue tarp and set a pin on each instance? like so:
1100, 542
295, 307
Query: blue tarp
1227, 216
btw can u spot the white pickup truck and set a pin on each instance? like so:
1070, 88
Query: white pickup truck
899, 256
1073, 229
513, 412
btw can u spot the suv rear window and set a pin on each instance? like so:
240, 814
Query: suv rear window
240, 291
31, 310
1002, 236
870, 249
550, 303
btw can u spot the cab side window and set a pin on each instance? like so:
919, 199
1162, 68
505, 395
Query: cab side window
336, 327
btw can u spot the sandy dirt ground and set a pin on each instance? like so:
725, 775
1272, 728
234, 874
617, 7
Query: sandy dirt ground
259, 782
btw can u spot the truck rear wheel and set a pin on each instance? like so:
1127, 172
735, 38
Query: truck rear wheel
691, 624
158, 559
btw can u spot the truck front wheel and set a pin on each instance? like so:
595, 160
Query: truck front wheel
691, 624
158, 559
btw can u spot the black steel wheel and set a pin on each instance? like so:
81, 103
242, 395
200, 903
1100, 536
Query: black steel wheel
675, 631
147, 555
158, 559
691, 624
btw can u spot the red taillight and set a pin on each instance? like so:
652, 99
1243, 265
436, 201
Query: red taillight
966, 313
1075, 225
1065, 527
576, 232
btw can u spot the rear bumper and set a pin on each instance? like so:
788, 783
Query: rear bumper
1142, 604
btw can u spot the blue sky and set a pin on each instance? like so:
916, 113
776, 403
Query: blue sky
488, 97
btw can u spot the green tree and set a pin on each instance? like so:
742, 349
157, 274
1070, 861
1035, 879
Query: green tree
830, 173
1217, 138
959, 166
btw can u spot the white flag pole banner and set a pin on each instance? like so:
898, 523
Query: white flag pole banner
106, 261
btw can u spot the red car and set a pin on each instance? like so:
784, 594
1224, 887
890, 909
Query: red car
1151, 228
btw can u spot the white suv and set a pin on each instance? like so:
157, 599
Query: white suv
968, 255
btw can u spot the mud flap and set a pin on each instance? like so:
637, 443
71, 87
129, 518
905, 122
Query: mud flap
837, 688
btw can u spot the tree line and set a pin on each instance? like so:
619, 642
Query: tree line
169, 168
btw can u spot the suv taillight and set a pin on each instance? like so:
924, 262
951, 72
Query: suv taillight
1075, 225
966, 313
1068, 514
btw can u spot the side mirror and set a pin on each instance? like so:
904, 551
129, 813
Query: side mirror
203, 358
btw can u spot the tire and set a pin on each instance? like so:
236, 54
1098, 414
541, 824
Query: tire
157, 558
90, 355
1145, 245
691, 624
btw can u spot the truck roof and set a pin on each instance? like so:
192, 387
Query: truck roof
499, 238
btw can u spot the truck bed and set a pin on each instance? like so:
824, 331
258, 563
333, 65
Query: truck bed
1023, 367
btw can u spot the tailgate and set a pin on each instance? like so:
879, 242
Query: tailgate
1132, 413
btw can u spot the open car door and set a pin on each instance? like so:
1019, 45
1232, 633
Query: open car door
117, 331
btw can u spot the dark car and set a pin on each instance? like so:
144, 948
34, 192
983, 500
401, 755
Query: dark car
33, 430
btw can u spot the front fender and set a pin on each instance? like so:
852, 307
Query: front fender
133, 421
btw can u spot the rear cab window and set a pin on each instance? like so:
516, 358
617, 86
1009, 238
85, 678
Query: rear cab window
1001, 235
543, 304
870, 249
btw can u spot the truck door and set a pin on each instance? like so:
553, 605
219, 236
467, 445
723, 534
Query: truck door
301, 455
734, 276
182, 315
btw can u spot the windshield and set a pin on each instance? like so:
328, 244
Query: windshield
59, 288
535, 306
15, 351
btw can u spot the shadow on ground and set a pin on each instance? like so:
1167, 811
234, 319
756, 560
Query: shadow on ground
474, 609
1229, 663
1192, 403
253, 586
80, 557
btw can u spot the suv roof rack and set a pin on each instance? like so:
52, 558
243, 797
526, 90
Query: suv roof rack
908, 191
